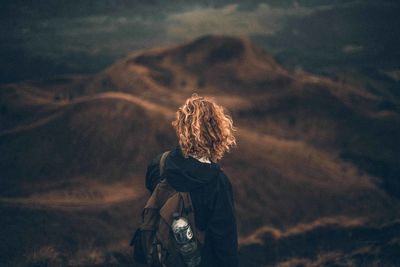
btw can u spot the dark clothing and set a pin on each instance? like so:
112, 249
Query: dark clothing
212, 199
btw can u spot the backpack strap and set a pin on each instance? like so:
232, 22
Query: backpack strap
188, 210
186, 201
162, 163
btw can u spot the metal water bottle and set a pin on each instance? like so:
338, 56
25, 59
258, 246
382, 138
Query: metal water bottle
185, 240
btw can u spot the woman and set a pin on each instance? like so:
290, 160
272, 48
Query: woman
205, 133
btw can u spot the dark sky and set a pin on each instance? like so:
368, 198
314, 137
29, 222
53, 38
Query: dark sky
43, 38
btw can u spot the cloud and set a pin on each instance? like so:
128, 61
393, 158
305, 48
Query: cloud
352, 48
96, 35
230, 20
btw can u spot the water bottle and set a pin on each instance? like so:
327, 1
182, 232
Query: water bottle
185, 240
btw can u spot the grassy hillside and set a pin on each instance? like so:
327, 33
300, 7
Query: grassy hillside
316, 162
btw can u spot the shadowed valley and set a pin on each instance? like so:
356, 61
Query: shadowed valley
315, 173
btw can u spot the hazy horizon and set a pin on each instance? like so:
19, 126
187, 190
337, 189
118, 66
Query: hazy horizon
49, 38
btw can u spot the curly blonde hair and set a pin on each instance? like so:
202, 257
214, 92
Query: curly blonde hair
203, 128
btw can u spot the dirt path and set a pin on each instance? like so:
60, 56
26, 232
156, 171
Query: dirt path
32, 125
123, 96
92, 195
339, 221
64, 105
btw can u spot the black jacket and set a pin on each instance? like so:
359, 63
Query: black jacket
212, 198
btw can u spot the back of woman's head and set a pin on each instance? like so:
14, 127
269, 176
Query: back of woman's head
203, 128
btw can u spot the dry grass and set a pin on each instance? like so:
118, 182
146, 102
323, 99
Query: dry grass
75, 154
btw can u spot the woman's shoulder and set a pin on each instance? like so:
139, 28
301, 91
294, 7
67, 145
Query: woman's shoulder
221, 186
154, 161
225, 185
153, 172
224, 178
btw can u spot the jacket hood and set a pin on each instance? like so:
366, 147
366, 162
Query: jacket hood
187, 174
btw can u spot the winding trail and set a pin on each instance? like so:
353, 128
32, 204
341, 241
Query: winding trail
126, 97
65, 105
92, 195
256, 237
32, 125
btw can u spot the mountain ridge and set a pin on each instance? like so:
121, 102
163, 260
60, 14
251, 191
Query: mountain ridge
298, 135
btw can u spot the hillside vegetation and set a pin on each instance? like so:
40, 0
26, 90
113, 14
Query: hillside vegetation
315, 173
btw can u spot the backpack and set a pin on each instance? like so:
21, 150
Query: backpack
153, 242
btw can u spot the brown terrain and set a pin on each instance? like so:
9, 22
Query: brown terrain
315, 172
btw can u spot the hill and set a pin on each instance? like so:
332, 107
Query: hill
315, 155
